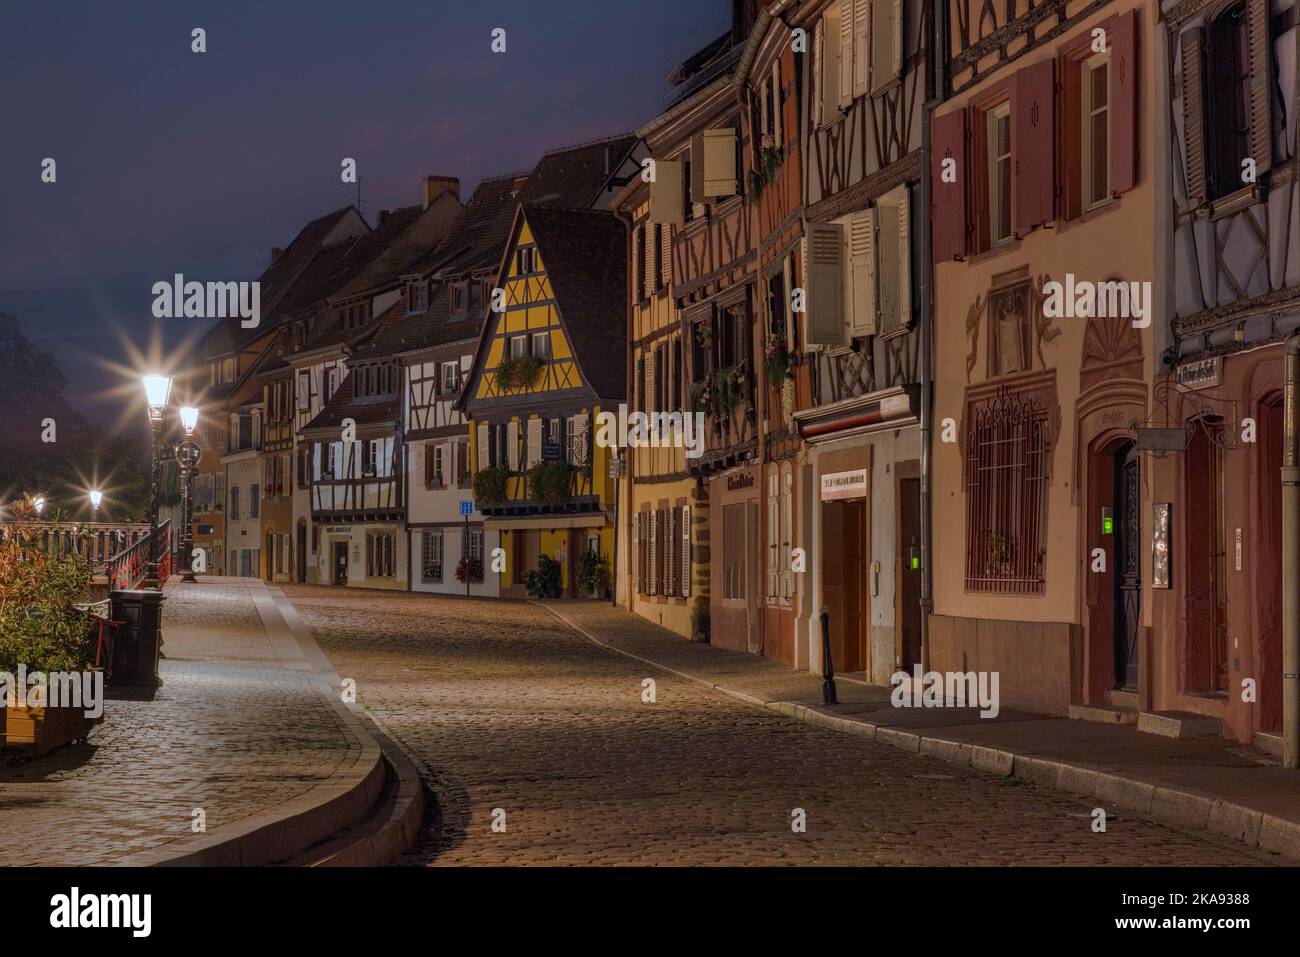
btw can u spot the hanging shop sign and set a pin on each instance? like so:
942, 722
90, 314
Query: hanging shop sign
841, 485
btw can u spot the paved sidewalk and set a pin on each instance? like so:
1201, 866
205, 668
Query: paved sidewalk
241, 728
1228, 788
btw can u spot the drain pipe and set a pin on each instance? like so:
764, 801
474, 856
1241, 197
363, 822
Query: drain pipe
1291, 558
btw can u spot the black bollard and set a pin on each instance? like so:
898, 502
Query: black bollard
828, 668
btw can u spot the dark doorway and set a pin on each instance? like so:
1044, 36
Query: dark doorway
909, 573
1206, 589
302, 553
1127, 575
1268, 551
340, 563
844, 532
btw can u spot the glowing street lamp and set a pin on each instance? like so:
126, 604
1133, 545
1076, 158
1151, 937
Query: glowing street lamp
189, 418
40, 504
96, 497
157, 390
188, 454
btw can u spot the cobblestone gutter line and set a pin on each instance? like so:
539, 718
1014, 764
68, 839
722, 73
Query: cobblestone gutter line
1254, 828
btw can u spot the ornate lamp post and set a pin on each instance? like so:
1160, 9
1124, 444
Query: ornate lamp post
96, 498
188, 454
157, 389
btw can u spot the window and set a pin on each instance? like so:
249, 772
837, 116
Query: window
1229, 120
638, 256
234, 502
459, 298
998, 121
518, 346
527, 260
828, 78
541, 345
733, 551
474, 552
433, 466
417, 297
894, 261
253, 497
1007, 458
431, 565
1096, 130
450, 378
658, 256
379, 555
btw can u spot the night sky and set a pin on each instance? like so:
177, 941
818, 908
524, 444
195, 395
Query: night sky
173, 161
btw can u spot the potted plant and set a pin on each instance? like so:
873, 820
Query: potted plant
550, 482
490, 486
593, 574
780, 363
728, 390
469, 569
547, 581
43, 632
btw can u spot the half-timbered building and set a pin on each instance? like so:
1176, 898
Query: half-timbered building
857, 504
1227, 100
549, 360
1043, 216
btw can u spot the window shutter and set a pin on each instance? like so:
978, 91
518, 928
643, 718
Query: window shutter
886, 42
638, 386
948, 212
428, 463
819, 55
719, 163
462, 462
846, 53
484, 459
1033, 129
1124, 64
686, 551
697, 169
773, 533
648, 240
861, 47
648, 386
653, 556
638, 258
512, 445
636, 553
670, 552
1071, 204
904, 254
825, 284
776, 104
580, 438
1193, 115
862, 273
1261, 81
666, 254
667, 205
534, 441
787, 535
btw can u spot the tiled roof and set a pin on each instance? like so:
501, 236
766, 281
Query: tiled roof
574, 176
585, 256
482, 226
363, 410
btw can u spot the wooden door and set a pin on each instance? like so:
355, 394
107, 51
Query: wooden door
1267, 555
340, 563
908, 582
1127, 573
302, 552
843, 581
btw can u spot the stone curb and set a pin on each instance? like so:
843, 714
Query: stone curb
1189, 809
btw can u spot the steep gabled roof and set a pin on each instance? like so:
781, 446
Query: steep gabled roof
481, 227
363, 410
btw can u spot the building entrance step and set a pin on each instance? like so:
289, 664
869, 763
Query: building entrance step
1180, 724
1119, 698
1104, 713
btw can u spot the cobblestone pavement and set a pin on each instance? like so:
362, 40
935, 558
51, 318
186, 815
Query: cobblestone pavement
230, 732
512, 710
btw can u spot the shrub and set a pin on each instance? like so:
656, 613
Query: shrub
547, 581
550, 481
593, 573
490, 486
39, 626
471, 568
518, 372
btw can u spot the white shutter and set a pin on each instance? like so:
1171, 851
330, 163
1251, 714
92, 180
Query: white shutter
638, 256
484, 459
819, 54
512, 445
667, 204
580, 439
904, 257
666, 252
787, 535
846, 53
686, 552
773, 533
825, 292
636, 553
669, 533
898, 38
719, 162
315, 461
861, 47
534, 441
862, 273
649, 251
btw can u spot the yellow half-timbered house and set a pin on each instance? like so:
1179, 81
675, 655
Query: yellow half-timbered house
550, 360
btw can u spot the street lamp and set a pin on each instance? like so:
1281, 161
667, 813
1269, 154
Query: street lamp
96, 497
40, 505
157, 389
188, 454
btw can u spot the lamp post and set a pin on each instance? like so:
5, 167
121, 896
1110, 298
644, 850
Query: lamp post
157, 389
187, 460
40, 506
96, 497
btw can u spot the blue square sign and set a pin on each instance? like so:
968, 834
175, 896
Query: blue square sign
466, 506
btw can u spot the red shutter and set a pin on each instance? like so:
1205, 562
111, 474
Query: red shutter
1071, 204
1032, 131
1124, 62
948, 200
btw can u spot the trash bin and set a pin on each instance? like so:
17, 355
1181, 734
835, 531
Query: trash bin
139, 640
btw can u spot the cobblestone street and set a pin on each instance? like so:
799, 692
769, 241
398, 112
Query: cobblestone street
510, 709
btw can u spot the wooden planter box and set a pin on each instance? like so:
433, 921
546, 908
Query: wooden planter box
41, 730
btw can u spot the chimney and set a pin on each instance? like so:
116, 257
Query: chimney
435, 186
276, 253
383, 214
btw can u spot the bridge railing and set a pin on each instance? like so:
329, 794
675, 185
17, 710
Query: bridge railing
126, 569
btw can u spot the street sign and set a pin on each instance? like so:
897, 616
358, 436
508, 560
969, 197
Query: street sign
466, 506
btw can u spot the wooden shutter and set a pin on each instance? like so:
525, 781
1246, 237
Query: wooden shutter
778, 121
670, 552
653, 555
648, 383
697, 169
686, 551
1192, 43
886, 42
580, 438
819, 55
846, 53
638, 386
667, 205
638, 258
861, 47
637, 564
666, 255
904, 200
648, 242
825, 293
948, 210
484, 457
675, 398
1071, 139
462, 462
719, 162
1033, 130
1261, 83
534, 441
773, 533
862, 273
1124, 64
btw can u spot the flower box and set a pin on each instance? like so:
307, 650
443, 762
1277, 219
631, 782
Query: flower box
41, 730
